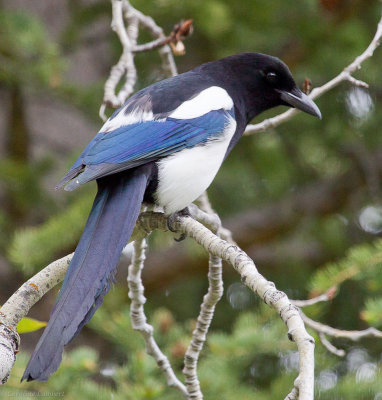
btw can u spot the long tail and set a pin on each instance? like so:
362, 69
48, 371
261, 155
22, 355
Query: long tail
108, 229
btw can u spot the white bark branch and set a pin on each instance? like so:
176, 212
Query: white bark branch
310, 302
30, 292
257, 283
18, 306
148, 221
330, 347
345, 75
138, 317
125, 65
339, 333
199, 335
325, 330
168, 63
206, 215
9, 345
125, 68
293, 395
327, 296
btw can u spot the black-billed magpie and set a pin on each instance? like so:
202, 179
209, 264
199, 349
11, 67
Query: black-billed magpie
163, 146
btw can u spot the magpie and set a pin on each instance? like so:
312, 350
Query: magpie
164, 146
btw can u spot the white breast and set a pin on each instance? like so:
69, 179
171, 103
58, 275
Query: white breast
185, 175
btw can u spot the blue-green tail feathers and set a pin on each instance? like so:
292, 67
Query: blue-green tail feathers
108, 229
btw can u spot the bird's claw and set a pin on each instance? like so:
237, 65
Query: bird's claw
172, 219
181, 237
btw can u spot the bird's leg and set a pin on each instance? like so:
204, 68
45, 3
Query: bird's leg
172, 219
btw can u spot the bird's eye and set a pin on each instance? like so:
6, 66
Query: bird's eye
272, 77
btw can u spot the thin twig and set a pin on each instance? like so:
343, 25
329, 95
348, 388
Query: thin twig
168, 63
330, 347
339, 333
178, 34
345, 75
327, 296
324, 330
204, 203
310, 302
209, 219
212, 218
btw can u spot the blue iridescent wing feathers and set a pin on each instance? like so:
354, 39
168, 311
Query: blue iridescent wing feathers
138, 143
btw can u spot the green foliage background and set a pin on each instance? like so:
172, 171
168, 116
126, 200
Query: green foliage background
248, 355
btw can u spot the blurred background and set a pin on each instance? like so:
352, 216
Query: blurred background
303, 200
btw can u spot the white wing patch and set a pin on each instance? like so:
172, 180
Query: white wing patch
186, 174
121, 119
213, 98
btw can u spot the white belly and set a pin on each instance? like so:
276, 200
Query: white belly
185, 175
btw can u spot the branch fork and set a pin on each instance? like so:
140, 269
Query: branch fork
125, 69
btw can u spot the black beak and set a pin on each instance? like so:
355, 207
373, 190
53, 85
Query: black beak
301, 101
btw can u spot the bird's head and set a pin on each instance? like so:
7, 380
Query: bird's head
263, 82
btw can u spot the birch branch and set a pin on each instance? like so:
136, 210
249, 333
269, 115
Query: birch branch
199, 335
206, 215
326, 330
125, 65
339, 333
9, 347
30, 292
345, 75
330, 347
257, 283
293, 395
168, 63
125, 68
18, 306
209, 218
175, 39
138, 317
327, 296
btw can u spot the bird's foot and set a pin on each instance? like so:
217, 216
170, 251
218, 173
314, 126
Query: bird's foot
172, 219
